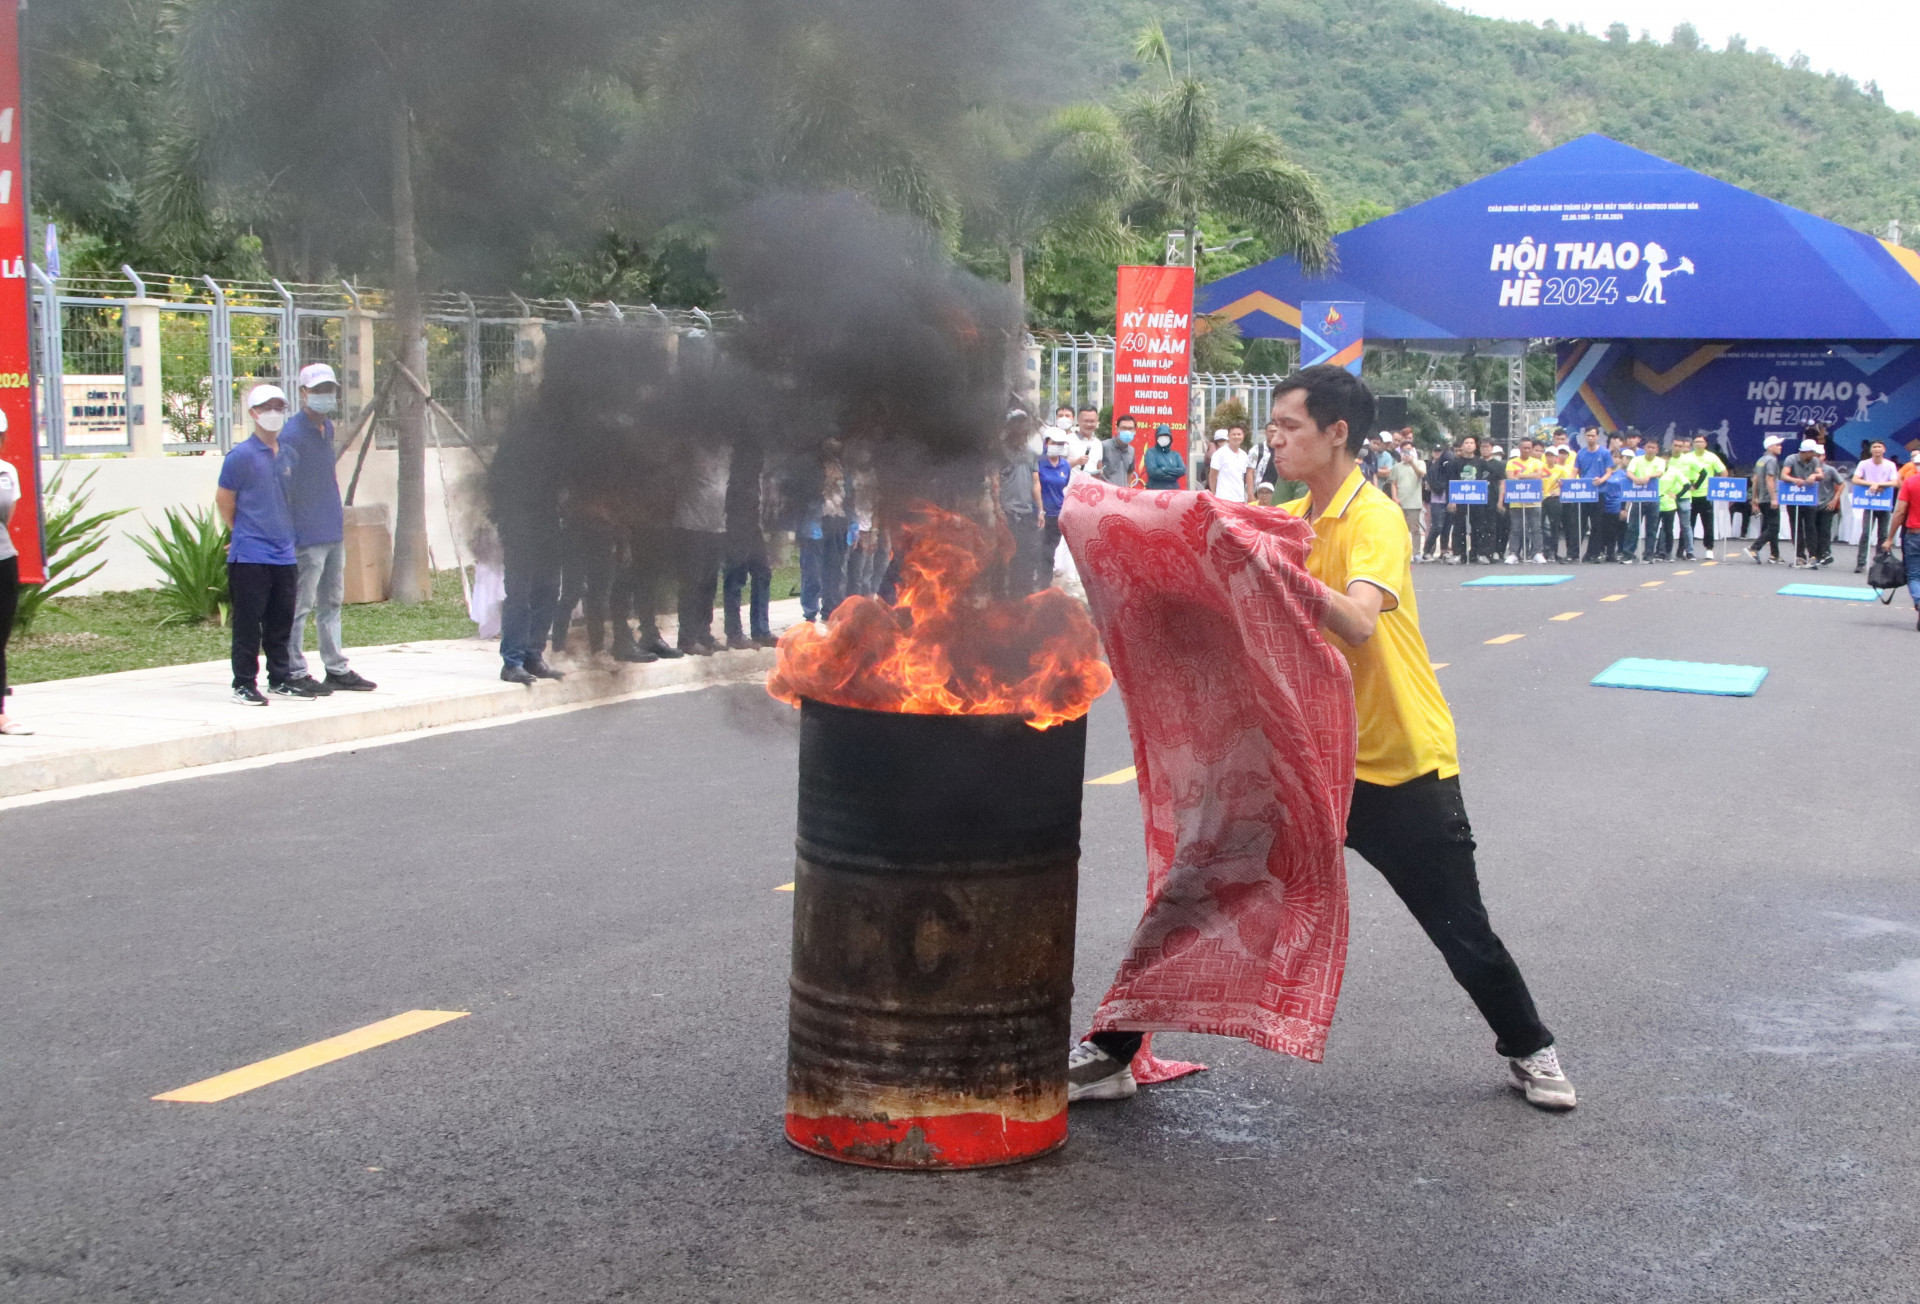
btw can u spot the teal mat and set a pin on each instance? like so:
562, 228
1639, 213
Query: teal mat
1682, 677
1828, 591
1504, 581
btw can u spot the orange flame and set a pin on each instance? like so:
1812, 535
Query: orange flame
944, 648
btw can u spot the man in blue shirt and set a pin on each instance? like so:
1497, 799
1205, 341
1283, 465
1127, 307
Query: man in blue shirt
262, 572
1050, 477
319, 533
1596, 464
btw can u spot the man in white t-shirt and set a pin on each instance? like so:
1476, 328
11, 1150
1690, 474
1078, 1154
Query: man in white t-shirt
1877, 472
1231, 473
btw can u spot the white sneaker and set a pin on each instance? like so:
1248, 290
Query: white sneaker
1539, 558
1540, 1077
1092, 1074
1510, 560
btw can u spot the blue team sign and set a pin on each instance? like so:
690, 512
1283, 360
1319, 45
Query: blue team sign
1523, 492
1579, 491
1873, 498
1642, 493
1726, 489
1799, 495
1467, 493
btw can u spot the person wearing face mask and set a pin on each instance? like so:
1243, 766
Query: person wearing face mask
319, 533
262, 564
1116, 454
1050, 476
1164, 466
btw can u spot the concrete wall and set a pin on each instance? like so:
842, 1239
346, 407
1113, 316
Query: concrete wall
151, 485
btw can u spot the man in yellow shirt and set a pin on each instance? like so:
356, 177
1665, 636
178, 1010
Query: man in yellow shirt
1407, 819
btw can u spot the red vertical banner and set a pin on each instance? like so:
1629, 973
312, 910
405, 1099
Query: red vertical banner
1153, 351
17, 444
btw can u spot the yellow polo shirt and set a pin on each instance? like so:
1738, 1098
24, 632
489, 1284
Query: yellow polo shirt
1406, 729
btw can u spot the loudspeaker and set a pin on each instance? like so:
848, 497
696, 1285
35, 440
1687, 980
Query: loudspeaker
1390, 411
1500, 423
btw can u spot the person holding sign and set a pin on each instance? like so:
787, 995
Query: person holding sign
1813, 491
1593, 464
1520, 498
1707, 464
1645, 471
1764, 489
1873, 481
1612, 517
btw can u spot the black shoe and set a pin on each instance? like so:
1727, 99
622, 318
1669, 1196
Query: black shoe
696, 649
314, 686
637, 656
248, 695
740, 643
540, 669
351, 682
517, 675
292, 688
661, 648
765, 640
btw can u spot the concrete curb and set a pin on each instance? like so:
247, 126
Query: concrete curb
347, 718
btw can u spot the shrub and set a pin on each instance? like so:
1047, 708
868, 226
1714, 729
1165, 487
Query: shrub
191, 553
71, 537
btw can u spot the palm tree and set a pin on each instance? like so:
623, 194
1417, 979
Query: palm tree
1066, 186
1188, 162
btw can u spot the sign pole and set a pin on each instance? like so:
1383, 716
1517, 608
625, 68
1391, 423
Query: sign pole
18, 445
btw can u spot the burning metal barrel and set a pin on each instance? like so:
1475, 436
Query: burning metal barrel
934, 895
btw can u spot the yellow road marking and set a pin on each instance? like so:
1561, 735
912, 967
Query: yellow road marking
1506, 638
1653, 584
1709, 563
784, 887
1614, 597
1118, 776
1684, 572
1565, 615
309, 1057
1439, 665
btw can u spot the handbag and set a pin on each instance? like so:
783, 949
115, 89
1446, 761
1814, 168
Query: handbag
1888, 574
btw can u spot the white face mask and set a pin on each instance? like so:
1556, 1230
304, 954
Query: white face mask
270, 421
325, 404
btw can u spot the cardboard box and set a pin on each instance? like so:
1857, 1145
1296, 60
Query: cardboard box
369, 553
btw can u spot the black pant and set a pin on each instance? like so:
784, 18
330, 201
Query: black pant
1812, 533
700, 554
10, 603
643, 591
1868, 523
1049, 545
1702, 511
530, 557
1769, 536
1473, 530
1416, 834
263, 600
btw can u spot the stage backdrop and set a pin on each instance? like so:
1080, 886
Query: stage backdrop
16, 392
1738, 393
1153, 351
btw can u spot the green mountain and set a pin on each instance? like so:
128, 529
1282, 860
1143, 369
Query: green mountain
1394, 101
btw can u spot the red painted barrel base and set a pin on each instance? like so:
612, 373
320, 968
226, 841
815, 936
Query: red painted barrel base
943, 1141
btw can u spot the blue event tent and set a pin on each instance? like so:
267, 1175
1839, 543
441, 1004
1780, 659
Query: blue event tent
1675, 295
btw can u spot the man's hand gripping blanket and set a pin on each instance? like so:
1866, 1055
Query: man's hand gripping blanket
1243, 734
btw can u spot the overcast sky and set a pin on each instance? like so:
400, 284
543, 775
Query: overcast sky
1868, 40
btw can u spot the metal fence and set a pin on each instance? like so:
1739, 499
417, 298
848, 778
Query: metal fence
1079, 368
218, 338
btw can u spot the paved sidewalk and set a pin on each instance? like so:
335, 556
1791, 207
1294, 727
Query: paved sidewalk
144, 722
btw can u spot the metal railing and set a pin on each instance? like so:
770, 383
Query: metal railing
217, 338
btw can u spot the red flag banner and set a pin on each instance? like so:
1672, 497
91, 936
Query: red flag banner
1153, 352
17, 445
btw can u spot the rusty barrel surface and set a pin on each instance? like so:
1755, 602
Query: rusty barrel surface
934, 894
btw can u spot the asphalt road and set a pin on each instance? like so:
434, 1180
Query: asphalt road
1714, 899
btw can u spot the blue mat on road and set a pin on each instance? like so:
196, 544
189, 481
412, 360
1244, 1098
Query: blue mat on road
1828, 591
1682, 677
1504, 581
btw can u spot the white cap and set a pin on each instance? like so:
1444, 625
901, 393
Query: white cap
315, 374
1771, 441
1915, 457
1811, 446
264, 394
1219, 435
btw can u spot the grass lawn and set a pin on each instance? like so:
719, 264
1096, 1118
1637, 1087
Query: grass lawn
122, 631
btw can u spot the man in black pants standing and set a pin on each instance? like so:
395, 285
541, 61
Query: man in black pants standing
263, 569
1407, 817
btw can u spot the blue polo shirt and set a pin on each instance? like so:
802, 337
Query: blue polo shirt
313, 493
1592, 463
1053, 485
1613, 493
262, 522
